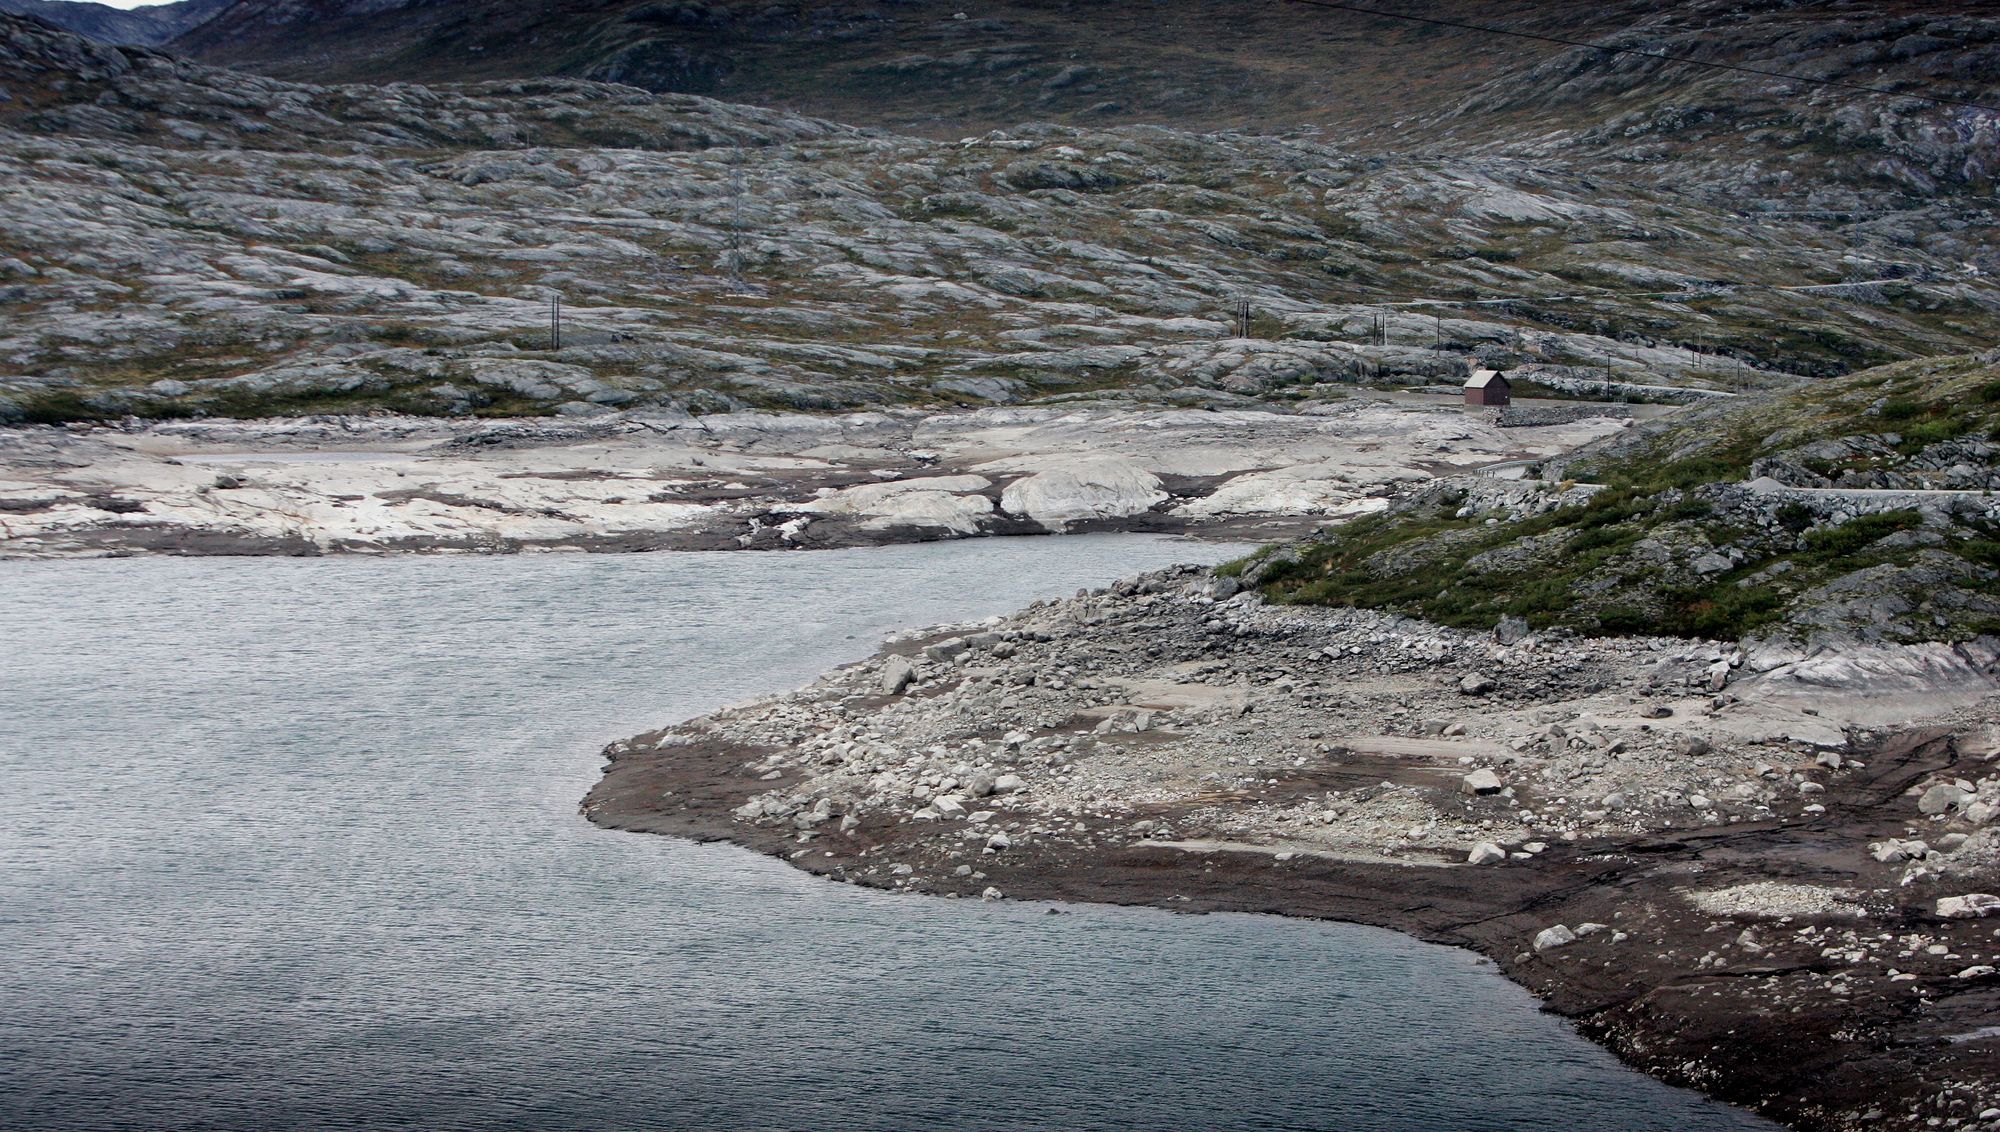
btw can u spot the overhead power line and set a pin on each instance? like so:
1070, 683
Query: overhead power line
1690, 293
1661, 55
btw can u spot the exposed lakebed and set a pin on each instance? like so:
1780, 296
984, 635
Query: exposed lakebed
290, 843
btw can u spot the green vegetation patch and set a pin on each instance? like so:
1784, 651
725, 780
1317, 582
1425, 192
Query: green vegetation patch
1669, 544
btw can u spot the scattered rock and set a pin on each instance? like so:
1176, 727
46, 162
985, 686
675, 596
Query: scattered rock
1548, 939
897, 675
1971, 906
1942, 798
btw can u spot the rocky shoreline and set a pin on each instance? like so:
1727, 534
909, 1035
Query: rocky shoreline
1743, 870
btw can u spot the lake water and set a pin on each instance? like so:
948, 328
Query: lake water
294, 844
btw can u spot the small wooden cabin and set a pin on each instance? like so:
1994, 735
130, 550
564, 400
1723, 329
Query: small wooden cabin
1488, 387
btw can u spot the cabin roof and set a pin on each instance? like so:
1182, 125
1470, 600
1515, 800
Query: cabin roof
1480, 379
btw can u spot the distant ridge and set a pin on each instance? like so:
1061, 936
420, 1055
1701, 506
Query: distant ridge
149, 26
945, 68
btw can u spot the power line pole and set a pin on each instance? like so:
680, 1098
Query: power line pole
736, 214
555, 322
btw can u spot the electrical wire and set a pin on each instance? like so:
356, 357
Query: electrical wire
1698, 291
1661, 55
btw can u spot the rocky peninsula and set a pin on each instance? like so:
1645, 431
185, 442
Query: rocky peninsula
1756, 872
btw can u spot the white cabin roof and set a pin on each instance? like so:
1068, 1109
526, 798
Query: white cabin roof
1480, 379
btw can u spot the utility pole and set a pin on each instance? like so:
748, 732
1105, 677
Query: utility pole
736, 215
555, 322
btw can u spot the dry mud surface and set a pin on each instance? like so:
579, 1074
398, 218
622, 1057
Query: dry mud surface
742, 480
1744, 871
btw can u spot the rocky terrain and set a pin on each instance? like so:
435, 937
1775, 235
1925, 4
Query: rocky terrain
1687, 725
739, 480
1739, 867
1859, 508
1756, 857
182, 241
944, 69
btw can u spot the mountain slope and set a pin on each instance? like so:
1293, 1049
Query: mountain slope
142, 27
938, 67
943, 68
178, 239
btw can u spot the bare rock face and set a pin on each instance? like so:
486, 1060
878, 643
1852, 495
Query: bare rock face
1073, 492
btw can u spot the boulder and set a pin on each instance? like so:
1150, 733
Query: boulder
1485, 853
1476, 685
1690, 746
897, 675
1481, 782
1718, 676
1942, 798
944, 652
1548, 939
1009, 784
1511, 631
1971, 906
1891, 851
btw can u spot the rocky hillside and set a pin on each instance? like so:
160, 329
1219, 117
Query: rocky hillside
945, 67
1380, 85
940, 67
181, 240
151, 25
1861, 507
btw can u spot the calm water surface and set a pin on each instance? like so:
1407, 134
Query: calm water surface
294, 844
